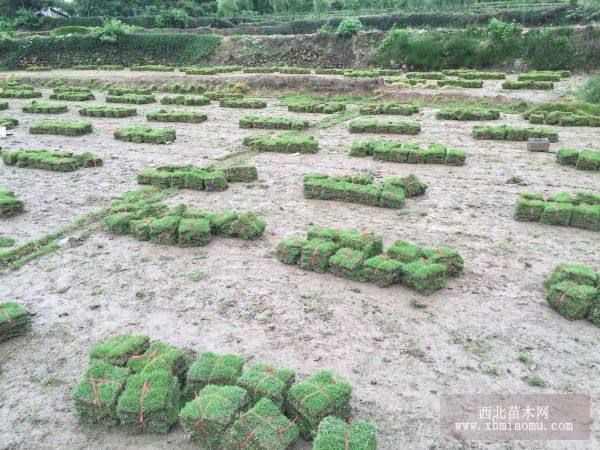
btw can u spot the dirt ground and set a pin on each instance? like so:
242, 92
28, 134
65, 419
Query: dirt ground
234, 296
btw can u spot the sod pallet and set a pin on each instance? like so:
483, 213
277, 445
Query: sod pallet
8, 122
582, 160
411, 153
274, 123
108, 111
143, 134
316, 107
185, 100
287, 143
334, 433
463, 113
390, 108
20, 93
468, 83
164, 115
529, 84
14, 320
389, 127
243, 103
149, 403
213, 369
135, 99
48, 160
320, 395
266, 381
61, 127
72, 96
117, 350
10, 205
572, 300
211, 412
44, 108
96, 394
507, 133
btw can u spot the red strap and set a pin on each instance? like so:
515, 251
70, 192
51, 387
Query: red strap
145, 389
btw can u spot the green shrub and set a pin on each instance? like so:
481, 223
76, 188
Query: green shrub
68, 30
349, 27
107, 111
142, 134
172, 18
61, 127
163, 115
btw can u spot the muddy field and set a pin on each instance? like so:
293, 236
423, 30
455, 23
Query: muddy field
234, 296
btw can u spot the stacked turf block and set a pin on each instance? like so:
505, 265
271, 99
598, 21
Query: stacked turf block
564, 114
274, 123
136, 99
581, 159
20, 92
411, 153
507, 133
185, 100
397, 127
9, 204
425, 75
54, 161
44, 108
390, 108
474, 74
465, 113
266, 381
8, 122
222, 95
527, 84
212, 369
471, 83
161, 356
579, 211
574, 291
245, 103
74, 96
164, 115
360, 189
3, 105
316, 107
14, 320
61, 127
151, 68
143, 134
108, 111
543, 75
287, 143
116, 91
334, 433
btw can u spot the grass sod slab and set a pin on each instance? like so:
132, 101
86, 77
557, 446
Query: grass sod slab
135, 99
161, 357
447, 256
424, 277
320, 395
262, 427
9, 204
274, 123
142, 134
117, 350
474, 74
469, 83
151, 68
220, 95
44, 108
316, 107
571, 300
3, 105
20, 93
412, 153
390, 108
543, 75
266, 381
165, 230
14, 320
529, 210
164, 115
240, 173
506, 133
389, 127
567, 156
588, 160
463, 113
97, 393
61, 127
72, 96
149, 403
586, 217
213, 369
247, 226
194, 232
383, 270
185, 100
577, 273
588, 198
369, 243
348, 263
129, 90
8, 122
287, 143
405, 251
412, 185
529, 84
6, 241
289, 250
213, 409
243, 103
316, 254
425, 75
334, 433
108, 111
54, 161
557, 214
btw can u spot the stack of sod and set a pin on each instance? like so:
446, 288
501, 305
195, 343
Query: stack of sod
8, 122
61, 127
246, 103
320, 395
185, 100
129, 90
289, 250
507, 133
163, 115
70, 88
461, 82
464, 113
413, 186
222, 95
258, 69
207, 417
390, 108
97, 393
543, 75
108, 111
3, 105
361, 73
292, 70
71, 96
274, 123
564, 114
14, 320
530, 84
136, 99
44, 108
55, 161
468, 74
263, 426
143, 134
212, 369
117, 350
326, 71
151, 68
573, 292
371, 126
583, 160
286, 143
334, 433
316, 107
149, 402
161, 357
20, 92
9, 204
266, 381
409, 153
425, 75
179, 88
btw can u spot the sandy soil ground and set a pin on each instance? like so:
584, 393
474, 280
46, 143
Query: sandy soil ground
234, 296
